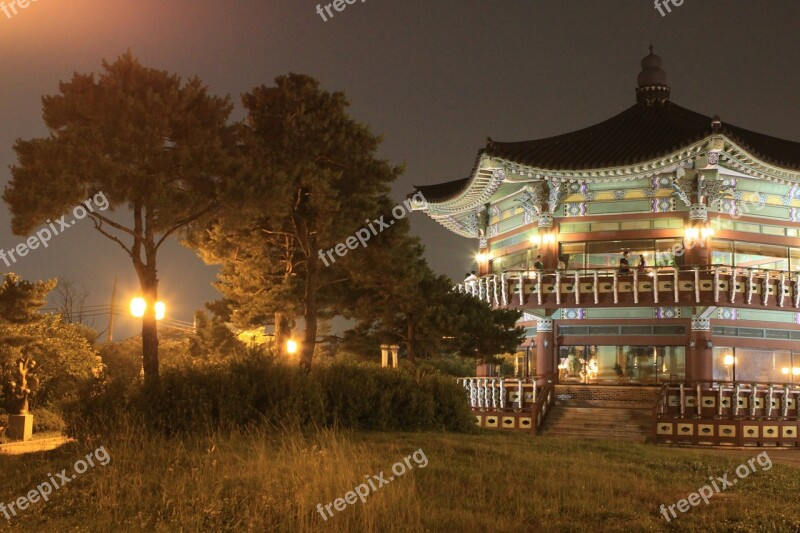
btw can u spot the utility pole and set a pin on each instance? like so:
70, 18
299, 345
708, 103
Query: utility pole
110, 337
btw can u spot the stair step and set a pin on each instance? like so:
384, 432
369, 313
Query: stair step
598, 420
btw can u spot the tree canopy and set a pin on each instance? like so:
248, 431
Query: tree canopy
156, 147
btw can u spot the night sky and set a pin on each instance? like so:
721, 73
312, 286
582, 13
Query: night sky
435, 77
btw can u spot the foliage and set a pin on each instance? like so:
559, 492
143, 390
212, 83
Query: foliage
63, 356
212, 338
45, 420
252, 390
312, 179
153, 147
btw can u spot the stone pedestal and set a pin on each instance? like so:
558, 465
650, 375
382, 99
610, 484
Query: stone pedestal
20, 427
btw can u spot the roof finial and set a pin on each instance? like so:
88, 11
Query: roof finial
651, 47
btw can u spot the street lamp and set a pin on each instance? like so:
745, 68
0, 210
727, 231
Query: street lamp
139, 306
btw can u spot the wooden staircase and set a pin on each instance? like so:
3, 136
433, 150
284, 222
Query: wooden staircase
598, 419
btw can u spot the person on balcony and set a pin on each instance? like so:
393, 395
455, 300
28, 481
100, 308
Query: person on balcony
562, 263
641, 266
624, 264
538, 265
471, 277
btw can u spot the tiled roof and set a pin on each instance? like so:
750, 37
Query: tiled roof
638, 134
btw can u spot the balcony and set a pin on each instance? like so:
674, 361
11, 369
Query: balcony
709, 285
729, 413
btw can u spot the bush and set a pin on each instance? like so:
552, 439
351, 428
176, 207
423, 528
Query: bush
45, 420
259, 389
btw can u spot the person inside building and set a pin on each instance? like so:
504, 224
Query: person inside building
562, 262
642, 265
624, 264
538, 265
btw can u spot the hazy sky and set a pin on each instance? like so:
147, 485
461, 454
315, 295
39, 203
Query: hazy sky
436, 77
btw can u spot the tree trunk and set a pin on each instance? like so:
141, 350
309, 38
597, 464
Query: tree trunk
310, 316
150, 328
282, 333
410, 340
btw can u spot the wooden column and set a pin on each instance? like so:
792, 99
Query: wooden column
699, 355
545, 346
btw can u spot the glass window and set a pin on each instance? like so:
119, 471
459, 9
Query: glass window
668, 252
722, 364
721, 252
763, 366
606, 254
756, 255
794, 259
576, 254
644, 365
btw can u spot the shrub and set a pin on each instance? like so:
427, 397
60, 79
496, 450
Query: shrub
46, 420
258, 389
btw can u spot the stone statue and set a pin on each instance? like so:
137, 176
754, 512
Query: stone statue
26, 384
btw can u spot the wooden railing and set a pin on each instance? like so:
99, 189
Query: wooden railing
510, 403
687, 285
729, 413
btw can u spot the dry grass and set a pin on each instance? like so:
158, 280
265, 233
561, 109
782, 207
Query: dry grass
257, 481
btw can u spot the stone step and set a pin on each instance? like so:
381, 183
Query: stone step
587, 419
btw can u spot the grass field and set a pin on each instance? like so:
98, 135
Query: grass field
487, 482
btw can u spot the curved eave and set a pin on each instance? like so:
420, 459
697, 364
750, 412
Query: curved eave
490, 173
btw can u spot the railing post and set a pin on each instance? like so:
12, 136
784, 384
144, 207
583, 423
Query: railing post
733, 285
480, 289
682, 399
473, 394
719, 400
797, 291
655, 285
785, 402
520, 397
765, 295
749, 286
615, 287
577, 288
769, 400
494, 290
696, 285
735, 402
699, 401
753, 394
539, 286
782, 288
558, 287
494, 394
676, 285
534, 391
716, 285
502, 394
636, 285
504, 288
595, 288
521, 286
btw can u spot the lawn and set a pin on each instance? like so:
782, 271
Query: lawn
257, 481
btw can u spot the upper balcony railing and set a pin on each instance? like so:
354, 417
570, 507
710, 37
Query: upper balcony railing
722, 285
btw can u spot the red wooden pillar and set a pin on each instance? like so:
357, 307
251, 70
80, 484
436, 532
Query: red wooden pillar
545, 346
699, 359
